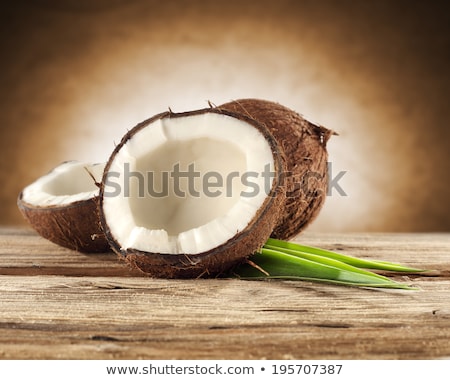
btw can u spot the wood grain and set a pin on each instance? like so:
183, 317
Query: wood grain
59, 304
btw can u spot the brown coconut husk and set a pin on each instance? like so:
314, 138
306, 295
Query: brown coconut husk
75, 226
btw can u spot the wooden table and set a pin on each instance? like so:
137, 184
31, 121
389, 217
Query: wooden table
57, 304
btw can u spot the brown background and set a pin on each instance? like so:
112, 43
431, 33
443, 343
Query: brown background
76, 74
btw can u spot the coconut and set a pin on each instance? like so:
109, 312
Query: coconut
192, 194
304, 145
62, 206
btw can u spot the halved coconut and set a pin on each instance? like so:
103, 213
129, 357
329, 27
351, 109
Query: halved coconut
192, 194
62, 206
304, 144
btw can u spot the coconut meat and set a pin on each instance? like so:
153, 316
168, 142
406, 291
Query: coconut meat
67, 183
186, 184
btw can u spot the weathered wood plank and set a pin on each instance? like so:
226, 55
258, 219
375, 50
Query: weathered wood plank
92, 306
23, 252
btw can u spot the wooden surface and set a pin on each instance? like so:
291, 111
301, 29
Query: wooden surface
56, 303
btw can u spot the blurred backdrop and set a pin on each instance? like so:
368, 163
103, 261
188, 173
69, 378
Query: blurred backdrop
76, 74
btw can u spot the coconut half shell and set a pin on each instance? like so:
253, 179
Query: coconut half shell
304, 145
172, 236
62, 207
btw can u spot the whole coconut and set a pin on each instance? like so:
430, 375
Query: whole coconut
304, 145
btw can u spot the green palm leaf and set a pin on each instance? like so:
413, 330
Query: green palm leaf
284, 260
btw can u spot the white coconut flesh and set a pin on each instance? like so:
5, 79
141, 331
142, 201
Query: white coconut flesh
67, 183
154, 212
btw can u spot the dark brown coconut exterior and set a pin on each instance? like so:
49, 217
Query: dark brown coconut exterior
304, 145
225, 256
75, 226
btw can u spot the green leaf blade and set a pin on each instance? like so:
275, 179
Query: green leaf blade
282, 265
292, 248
